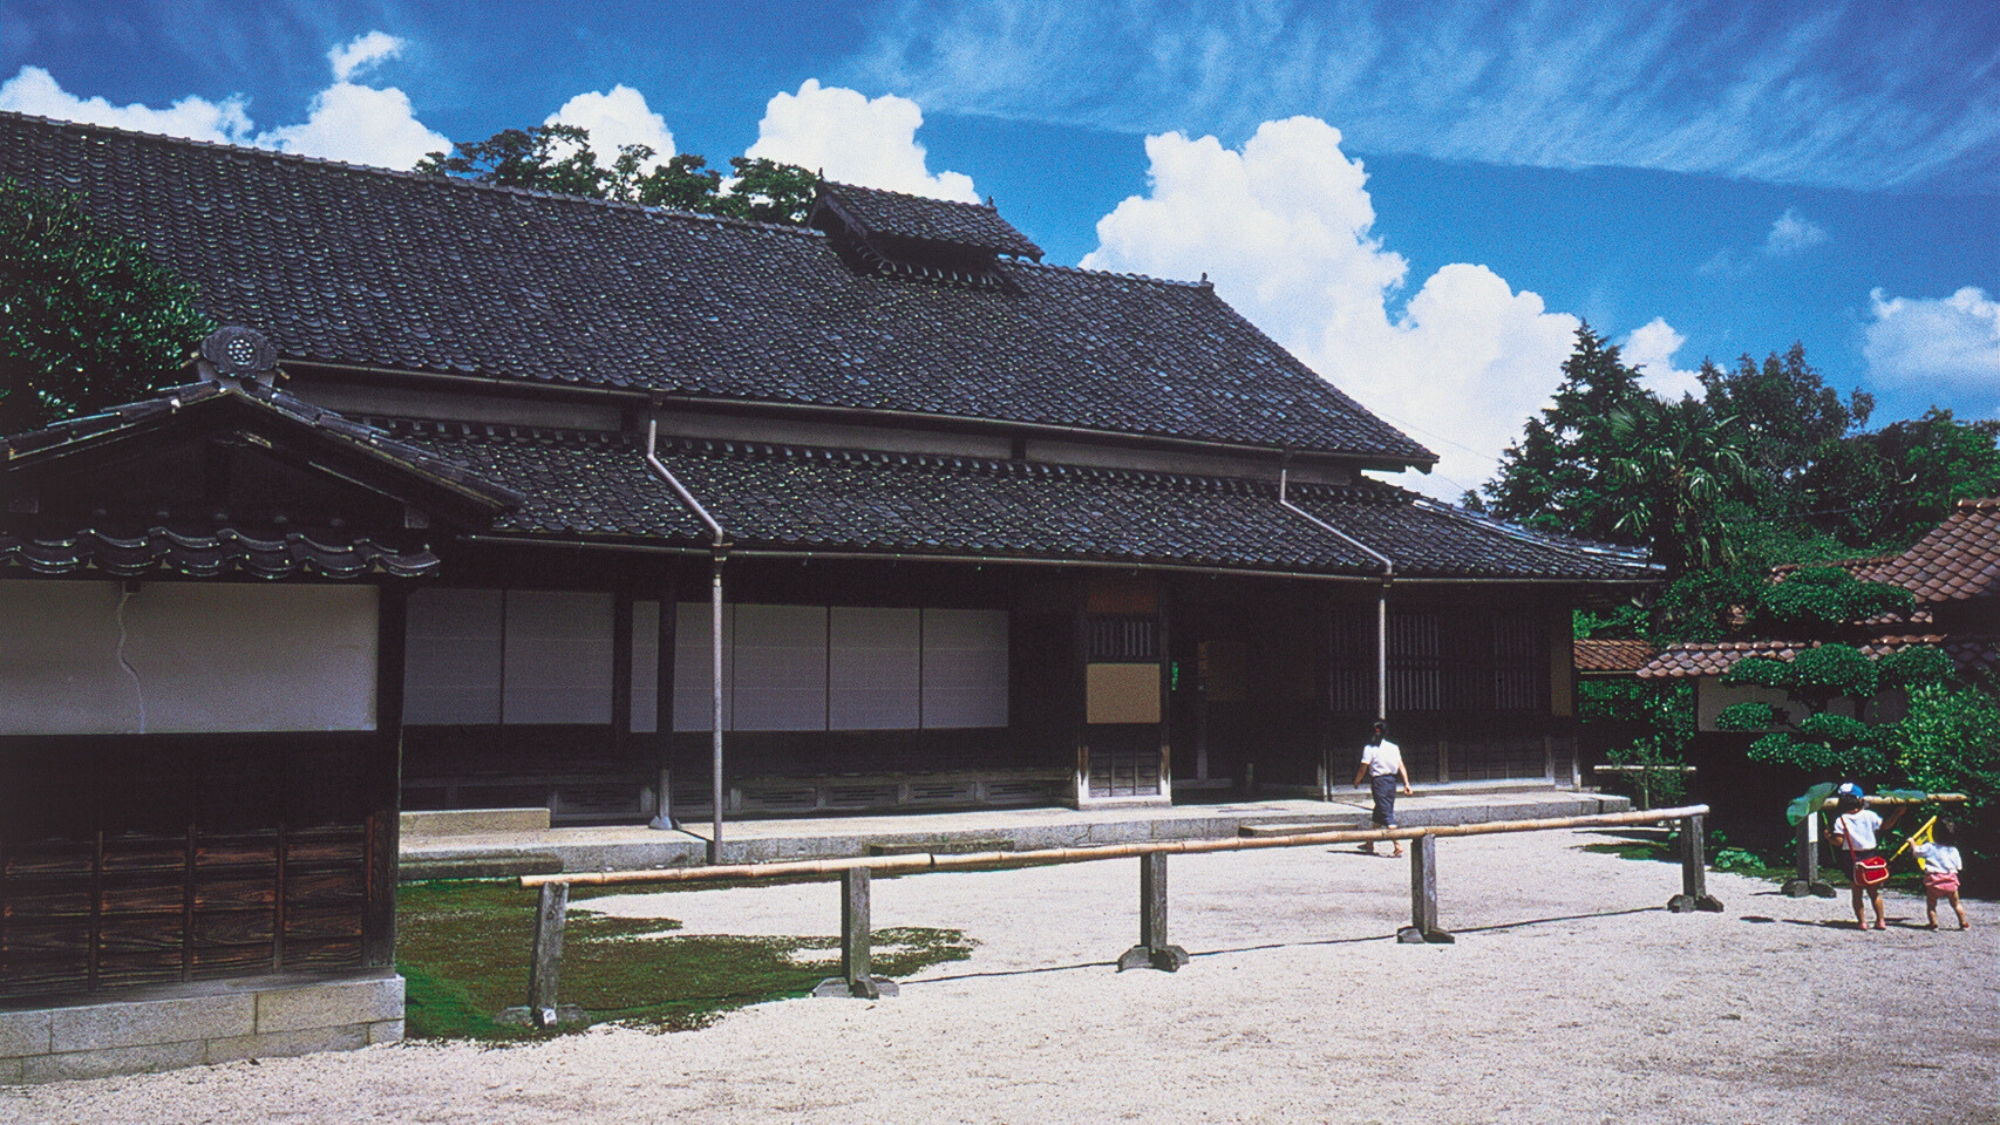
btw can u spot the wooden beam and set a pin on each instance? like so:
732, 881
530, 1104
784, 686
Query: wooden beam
1047, 856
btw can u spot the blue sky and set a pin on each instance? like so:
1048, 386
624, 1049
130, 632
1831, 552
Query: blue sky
1421, 200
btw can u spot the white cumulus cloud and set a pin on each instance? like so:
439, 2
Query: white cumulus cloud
1792, 234
36, 91
1651, 347
615, 119
346, 121
361, 125
1951, 343
854, 139
1283, 229
363, 52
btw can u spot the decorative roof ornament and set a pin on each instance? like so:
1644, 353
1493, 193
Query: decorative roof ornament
238, 356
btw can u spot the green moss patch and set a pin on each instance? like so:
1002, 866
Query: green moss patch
462, 947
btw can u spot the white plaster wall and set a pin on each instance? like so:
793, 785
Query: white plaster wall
1712, 696
171, 657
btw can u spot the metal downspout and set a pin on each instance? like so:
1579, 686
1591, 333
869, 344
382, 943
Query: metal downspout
1381, 601
719, 553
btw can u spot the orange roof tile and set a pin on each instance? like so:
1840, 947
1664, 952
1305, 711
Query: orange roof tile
1612, 655
1713, 658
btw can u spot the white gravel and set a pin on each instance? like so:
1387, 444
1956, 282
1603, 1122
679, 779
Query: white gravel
1570, 996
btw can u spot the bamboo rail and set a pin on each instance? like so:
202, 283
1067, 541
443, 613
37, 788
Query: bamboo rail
904, 864
1153, 950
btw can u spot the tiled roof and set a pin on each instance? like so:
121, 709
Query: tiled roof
221, 553
800, 498
210, 551
168, 404
1970, 653
1424, 537
1611, 655
968, 225
1959, 559
354, 266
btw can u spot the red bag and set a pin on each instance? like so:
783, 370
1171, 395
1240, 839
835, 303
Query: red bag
1871, 871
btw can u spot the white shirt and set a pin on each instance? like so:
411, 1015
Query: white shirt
1939, 857
1859, 828
1384, 757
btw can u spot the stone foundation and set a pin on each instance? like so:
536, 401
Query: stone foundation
167, 1028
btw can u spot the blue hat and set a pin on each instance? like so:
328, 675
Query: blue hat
1850, 789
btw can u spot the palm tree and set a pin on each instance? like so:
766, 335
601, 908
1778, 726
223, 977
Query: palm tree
1678, 462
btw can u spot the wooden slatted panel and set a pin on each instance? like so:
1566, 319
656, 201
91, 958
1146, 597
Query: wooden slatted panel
126, 862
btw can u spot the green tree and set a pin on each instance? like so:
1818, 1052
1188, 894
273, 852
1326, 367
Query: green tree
1884, 490
1950, 743
1673, 465
1787, 414
555, 158
1558, 476
1829, 734
88, 319
768, 192
558, 158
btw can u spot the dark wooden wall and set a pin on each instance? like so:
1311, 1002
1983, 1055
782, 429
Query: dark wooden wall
148, 859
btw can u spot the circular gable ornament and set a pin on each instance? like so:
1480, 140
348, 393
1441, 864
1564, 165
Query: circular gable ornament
237, 354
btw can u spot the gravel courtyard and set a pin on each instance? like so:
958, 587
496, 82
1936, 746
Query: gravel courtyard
1571, 996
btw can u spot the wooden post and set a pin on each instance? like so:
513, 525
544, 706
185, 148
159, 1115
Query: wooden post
1808, 882
663, 705
1694, 872
545, 967
1153, 951
856, 977
1423, 925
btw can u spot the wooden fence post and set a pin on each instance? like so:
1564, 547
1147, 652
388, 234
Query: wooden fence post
1423, 925
1694, 872
856, 977
1808, 881
1153, 951
545, 967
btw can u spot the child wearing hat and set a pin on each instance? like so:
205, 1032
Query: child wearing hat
1857, 829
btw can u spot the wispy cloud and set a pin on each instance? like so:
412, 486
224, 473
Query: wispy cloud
363, 52
1792, 234
1847, 94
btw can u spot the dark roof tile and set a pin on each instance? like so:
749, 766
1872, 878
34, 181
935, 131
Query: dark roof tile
967, 225
805, 498
356, 266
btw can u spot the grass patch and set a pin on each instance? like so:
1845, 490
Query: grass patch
462, 947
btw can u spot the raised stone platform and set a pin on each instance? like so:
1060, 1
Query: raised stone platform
166, 1027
